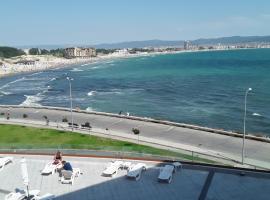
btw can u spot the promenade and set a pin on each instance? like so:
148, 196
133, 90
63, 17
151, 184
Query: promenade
154, 134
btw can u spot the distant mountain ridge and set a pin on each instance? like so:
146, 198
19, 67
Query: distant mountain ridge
165, 43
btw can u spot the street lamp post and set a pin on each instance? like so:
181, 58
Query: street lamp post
70, 96
244, 135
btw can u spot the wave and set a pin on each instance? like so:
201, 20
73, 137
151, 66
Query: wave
96, 67
91, 93
76, 70
114, 91
89, 109
12, 82
32, 100
3, 93
257, 114
88, 64
35, 73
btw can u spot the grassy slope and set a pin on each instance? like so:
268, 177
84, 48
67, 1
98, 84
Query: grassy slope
27, 137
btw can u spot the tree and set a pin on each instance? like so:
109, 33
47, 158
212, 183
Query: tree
64, 119
8, 52
136, 132
44, 52
57, 52
34, 51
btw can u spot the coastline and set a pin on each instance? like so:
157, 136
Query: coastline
48, 62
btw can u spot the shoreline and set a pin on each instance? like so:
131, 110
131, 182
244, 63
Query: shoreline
48, 62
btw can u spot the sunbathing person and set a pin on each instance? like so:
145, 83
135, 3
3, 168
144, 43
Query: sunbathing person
66, 166
57, 158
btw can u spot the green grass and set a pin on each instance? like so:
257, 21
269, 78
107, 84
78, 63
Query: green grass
21, 137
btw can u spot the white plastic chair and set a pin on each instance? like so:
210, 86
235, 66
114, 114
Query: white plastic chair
68, 176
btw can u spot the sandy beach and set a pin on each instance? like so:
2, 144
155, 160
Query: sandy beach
42, 62
46, 62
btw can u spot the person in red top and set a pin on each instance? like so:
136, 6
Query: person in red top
57, 158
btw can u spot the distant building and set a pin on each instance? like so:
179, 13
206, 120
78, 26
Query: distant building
187, 45
80, 52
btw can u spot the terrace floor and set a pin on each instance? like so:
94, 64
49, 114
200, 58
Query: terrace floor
192, 182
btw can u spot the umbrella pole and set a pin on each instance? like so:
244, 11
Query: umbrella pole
27, 188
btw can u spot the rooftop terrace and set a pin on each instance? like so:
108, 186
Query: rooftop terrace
192, 182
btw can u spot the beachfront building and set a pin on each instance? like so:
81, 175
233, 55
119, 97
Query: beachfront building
187, 45
74, 52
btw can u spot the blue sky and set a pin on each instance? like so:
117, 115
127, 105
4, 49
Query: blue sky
33, 22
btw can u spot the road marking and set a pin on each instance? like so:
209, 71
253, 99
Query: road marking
170, 128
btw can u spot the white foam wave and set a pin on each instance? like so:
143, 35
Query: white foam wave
89, 109
114, 91
35, 73
5, 93
76, 70
87, 64
12, 82
257, 114
91, 93
32, 100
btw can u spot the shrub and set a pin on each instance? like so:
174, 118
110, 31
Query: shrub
87, 124
136, 131
64, 119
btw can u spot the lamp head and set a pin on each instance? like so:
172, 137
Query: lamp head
249, 89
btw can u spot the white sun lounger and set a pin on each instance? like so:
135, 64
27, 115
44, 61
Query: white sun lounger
113, 168
166, 173
126, 165
69, 176
4, 161
47, 196
135, 171
51, 168
15, 196
21, 195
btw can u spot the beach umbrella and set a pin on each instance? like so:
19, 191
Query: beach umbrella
25, 175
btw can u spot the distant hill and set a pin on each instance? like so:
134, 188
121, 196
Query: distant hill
164, 43
232, 40
211, 41
140, 44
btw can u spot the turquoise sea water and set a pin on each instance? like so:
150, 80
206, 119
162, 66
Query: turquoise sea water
203, 88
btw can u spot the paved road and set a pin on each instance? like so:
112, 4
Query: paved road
257, 152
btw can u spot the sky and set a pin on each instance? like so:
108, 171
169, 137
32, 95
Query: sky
51, 22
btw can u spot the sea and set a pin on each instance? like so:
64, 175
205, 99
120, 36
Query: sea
201, 88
